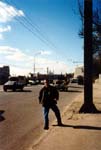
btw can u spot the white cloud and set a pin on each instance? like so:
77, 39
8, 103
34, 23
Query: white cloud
20, 71
5, 29
19, 62
8, 12
7, 49
13, 54
22, 63
52, 65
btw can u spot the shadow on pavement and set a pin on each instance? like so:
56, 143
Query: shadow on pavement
20, 91
63, 125
78, 87
1, 117
74, 91
87, 127
80, 127
70, 91
26, 91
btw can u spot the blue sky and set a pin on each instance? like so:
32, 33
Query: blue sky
40, 32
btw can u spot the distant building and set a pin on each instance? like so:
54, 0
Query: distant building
4, 74
50, 76
79, 71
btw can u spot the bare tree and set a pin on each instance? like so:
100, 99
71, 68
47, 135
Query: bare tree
96, 23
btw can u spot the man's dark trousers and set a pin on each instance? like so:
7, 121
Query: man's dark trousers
46, 114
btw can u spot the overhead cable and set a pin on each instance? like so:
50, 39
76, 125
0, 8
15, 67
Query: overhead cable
39, 33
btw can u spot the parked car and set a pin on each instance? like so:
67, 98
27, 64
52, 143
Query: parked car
74, 80
13, 84
33, 82
80, 80
62, 85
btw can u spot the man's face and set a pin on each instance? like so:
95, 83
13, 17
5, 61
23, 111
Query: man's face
46, 83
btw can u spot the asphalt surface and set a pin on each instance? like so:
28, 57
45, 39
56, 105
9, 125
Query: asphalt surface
23, 119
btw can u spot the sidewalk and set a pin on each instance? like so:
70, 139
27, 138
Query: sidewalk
80, 131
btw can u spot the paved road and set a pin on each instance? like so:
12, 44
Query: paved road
23, 116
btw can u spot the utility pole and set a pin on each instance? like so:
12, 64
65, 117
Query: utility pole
88, 87
88, 106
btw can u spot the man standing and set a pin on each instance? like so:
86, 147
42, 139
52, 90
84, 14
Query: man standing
48, 97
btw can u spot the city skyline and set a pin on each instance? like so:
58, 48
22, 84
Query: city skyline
40, 34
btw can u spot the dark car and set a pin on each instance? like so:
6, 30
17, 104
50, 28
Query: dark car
80, 80
13, 84
74, 80
62, 85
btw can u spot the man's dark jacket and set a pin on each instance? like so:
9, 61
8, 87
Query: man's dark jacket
48, 96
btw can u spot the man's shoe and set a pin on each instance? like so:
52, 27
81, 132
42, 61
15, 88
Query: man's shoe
60, 124
46, 128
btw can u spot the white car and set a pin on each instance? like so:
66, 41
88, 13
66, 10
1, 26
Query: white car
13, 84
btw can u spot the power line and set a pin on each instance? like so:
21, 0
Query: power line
41, 36
24, 25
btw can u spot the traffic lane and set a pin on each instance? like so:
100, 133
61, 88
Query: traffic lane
24, 122
23, 117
